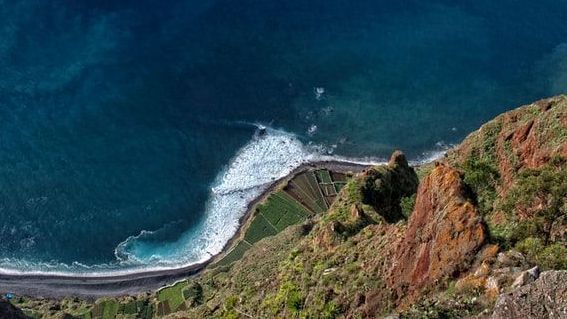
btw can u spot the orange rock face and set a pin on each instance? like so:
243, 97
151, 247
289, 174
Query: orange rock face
444, 234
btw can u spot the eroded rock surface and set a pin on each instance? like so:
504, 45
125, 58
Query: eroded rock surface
544, 298
444, 233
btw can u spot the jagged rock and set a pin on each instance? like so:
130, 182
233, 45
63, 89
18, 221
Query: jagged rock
511, 258
398, 158
356, 212
492, 287
526, 277
444, 233
544, 298
384, 187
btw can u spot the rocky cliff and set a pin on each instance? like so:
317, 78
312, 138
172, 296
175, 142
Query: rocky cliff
482, 234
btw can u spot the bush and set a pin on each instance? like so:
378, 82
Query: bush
483, 177
553, 256
407, 204
543, 194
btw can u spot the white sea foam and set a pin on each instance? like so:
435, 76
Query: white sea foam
270, 155
267, 157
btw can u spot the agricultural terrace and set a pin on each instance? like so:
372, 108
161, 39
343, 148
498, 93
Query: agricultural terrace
306, 194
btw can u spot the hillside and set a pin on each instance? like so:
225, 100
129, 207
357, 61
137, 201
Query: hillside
479, 233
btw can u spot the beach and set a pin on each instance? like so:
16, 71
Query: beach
92, 286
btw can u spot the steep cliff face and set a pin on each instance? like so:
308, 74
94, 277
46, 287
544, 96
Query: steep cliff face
475, 232
516, 166
443, 235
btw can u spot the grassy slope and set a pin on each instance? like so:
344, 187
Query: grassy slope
325, 267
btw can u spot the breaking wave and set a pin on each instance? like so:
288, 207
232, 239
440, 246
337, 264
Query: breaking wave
269, 156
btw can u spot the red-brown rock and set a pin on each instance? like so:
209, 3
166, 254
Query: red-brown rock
444, 233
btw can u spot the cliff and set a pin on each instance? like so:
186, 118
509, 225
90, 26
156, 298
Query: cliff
481, 234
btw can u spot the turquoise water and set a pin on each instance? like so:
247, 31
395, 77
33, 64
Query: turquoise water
128, 128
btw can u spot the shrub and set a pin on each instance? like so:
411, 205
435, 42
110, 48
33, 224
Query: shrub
483, 177
543, 194
552, 256
407, 204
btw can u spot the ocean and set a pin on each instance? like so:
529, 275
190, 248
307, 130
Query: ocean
129, 129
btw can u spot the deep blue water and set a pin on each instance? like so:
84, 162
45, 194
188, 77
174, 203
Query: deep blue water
129, 118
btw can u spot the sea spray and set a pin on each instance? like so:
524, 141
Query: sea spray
270, 155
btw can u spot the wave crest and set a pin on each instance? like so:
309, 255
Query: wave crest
269, 156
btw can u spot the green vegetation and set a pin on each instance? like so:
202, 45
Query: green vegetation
235, 254
407, 203
304, 196
482, 175
339, 186
281, 210
173, 295
540, 194
553, 256
323, 176
259, 228
194, 294
106, 309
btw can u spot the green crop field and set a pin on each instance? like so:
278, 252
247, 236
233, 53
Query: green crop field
107, 309
258, 229
173, 295
130, 308
111, 308
281, 210
329, 189
235, 254
308, 193
323, 176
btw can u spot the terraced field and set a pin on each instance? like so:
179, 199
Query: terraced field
308, 193
109, 309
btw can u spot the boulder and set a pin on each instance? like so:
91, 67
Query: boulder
546, 298
526, 277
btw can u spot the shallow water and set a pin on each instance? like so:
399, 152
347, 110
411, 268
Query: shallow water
127, 128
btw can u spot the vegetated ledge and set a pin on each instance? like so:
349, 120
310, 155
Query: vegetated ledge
58, 286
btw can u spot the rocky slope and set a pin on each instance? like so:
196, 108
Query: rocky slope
481, 234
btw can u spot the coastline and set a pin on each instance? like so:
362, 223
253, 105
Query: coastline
91, 286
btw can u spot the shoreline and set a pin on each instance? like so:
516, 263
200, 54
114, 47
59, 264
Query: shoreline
94, 286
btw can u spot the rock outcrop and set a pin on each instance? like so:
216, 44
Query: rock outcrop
444, 233
545, 298
384, 187
459, 253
